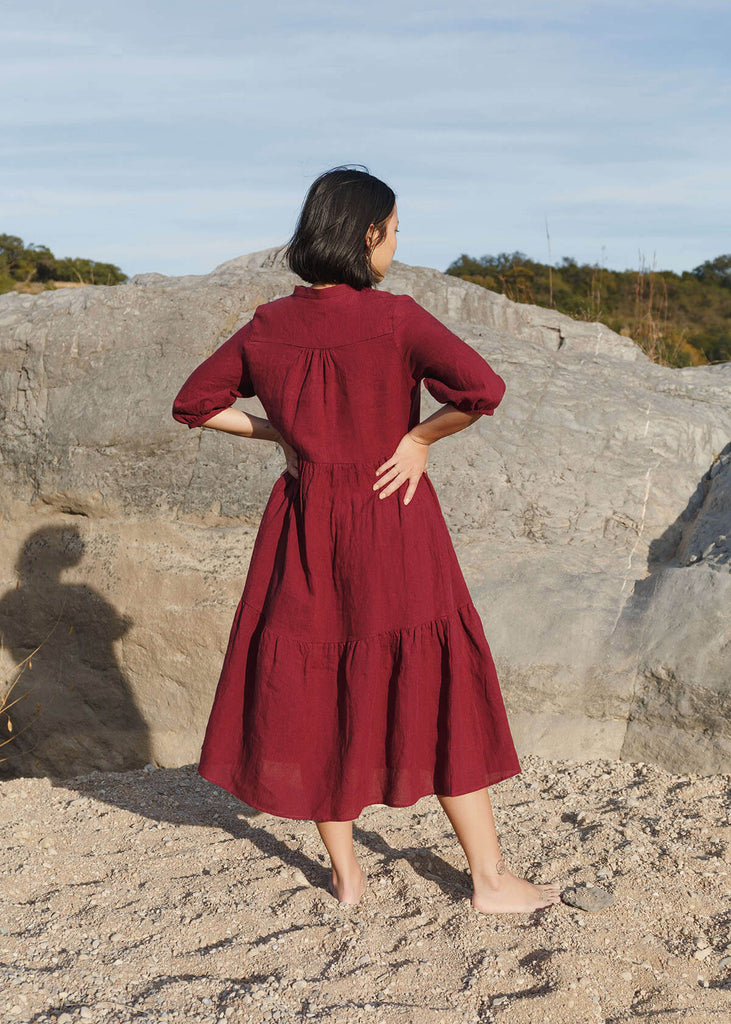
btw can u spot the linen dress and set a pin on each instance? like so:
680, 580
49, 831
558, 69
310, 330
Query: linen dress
357, 669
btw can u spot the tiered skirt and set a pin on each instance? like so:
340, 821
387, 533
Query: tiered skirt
357, 670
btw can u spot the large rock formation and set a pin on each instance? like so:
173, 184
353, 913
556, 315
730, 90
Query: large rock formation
590, 515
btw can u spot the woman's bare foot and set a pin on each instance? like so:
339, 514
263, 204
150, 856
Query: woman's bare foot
508, 894
348, 890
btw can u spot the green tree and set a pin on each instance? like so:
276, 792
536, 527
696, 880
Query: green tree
24, 264
678, 319
716, 271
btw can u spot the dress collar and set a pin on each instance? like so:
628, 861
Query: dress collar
320, 294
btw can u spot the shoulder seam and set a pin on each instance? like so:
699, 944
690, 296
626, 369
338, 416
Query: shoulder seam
398, 301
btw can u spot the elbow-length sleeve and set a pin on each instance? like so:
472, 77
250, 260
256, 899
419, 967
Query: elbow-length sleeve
216, 383
451, 369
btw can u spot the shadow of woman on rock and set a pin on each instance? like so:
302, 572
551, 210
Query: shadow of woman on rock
77, 712
79, 723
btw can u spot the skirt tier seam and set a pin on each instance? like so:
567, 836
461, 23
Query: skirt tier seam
359, 639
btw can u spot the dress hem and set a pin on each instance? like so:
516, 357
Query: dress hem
214, 777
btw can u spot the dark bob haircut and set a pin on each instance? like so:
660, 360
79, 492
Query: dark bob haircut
329, 243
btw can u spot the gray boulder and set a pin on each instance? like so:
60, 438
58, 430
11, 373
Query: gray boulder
590, 516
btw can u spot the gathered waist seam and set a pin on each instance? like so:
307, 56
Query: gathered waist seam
349, 462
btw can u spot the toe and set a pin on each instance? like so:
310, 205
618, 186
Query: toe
550, 893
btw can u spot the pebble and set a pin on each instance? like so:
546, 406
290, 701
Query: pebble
587, 897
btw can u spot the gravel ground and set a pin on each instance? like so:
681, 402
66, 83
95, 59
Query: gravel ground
154, 896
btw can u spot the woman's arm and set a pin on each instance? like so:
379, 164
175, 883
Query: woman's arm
216, 383
243, 424
445, 421
454, 373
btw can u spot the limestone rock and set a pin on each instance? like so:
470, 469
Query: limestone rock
591, 516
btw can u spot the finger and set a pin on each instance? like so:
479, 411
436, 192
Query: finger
384, 465
394, 486
388, 478
410, 491
390, 475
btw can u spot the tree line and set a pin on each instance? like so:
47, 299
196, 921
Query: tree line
35, 264
678, 319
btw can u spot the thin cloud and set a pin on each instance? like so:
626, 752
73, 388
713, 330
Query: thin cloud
157, 127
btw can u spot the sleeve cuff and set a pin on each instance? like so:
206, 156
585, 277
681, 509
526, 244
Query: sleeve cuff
464, 401
196, 419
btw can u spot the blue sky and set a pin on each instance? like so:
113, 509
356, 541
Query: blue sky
173, 136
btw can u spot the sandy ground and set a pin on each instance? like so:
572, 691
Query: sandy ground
155, 896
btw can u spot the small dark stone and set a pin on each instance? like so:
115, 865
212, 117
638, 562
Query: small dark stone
587, 897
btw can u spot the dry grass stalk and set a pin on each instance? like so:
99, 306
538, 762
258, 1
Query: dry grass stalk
652, 327
6, 703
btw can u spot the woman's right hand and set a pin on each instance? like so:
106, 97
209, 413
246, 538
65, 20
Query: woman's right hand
408, 462
290, 455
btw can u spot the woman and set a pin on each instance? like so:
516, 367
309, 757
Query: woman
357, 671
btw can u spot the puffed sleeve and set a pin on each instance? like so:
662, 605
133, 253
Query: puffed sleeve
216, 383
451, 369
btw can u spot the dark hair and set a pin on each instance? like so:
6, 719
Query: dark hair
329, 243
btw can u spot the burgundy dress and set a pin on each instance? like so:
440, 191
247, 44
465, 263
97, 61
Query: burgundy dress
357, 670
